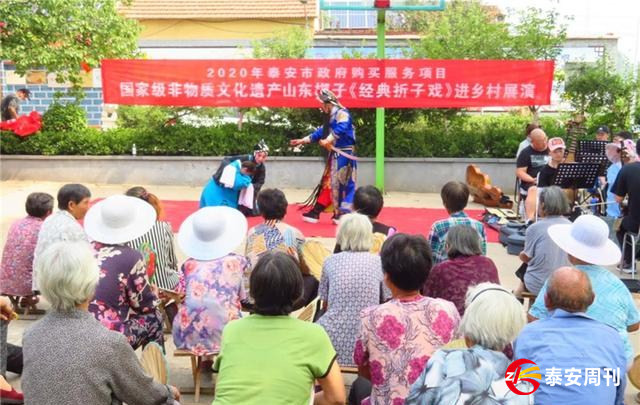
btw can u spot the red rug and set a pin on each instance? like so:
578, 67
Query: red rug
407, 220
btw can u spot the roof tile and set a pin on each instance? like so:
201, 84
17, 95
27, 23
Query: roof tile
219, 9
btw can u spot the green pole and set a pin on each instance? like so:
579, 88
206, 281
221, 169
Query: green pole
380, 110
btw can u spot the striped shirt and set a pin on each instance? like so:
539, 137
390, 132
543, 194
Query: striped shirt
439, 229
160, 238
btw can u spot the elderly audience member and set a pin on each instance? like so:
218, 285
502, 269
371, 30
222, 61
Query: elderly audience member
397, 338
493, 319
73, 204
455, 196
17, 257
572, 343
351, 281
587, 243
160, 240
465, 268
124, 300
213, 278
8, 394
628, 184
368, 201
270, 357
70, 358
273, 233
541, 255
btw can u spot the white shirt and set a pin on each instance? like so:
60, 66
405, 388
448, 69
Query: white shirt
60, 226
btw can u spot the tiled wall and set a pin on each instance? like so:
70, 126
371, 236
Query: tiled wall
42, 96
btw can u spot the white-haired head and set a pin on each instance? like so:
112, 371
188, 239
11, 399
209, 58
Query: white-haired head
355, 233
493, 317
67, 274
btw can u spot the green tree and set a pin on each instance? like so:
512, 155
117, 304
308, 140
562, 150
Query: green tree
600, 93
62, 36
470, 30
288, 44
292, 43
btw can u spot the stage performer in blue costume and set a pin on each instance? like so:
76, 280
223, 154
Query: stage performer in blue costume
259, 157
338, 184
226, 189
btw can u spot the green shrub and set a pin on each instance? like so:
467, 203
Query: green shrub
486, 136
64, 117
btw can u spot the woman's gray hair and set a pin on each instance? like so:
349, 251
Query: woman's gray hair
67, 274
355, 233
554, 201
493, 316
463, 240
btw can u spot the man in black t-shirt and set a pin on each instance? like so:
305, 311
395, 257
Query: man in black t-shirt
628, 184
531, 160
546, 176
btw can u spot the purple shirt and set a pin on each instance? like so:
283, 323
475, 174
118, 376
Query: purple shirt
451, 279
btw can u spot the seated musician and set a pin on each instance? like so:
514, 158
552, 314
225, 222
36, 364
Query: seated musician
545, 176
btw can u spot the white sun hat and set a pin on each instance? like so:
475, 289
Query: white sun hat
119, 219
212, 232
586, 239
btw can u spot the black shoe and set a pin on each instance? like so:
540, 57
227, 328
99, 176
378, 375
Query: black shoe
313, 216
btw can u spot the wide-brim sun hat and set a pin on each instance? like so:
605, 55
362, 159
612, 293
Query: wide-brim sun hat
212, 232
119, 219
587, 239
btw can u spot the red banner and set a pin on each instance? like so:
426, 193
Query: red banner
393, 83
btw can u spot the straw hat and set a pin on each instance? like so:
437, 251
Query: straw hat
586, 239
119, 219
212, 232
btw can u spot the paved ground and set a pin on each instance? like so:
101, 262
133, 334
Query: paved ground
13, 195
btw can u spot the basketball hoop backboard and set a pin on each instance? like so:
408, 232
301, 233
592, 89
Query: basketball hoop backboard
415, 5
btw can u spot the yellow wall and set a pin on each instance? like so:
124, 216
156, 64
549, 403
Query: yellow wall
203, 29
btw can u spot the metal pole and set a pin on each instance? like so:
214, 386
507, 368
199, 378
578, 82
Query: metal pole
380, 110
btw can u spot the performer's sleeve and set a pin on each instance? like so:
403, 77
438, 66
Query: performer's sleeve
258, 178
241, 181
316, 135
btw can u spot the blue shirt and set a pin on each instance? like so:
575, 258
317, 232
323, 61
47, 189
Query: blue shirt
613, 304
613, 208
574, 341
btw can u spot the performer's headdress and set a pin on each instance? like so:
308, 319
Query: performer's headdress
261, 146
327, 96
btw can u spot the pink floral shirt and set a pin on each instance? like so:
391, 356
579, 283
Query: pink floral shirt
17, 256
397, 339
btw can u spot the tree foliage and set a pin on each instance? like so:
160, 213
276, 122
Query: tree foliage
292, 43
63, 36
470, 30
288, 44
599, 92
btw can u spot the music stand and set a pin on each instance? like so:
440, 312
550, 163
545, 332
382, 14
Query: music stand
576, 175
591, 147
593, 152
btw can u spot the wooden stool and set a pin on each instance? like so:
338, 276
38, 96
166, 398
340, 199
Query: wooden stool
348, 370
196, 373
527, 296
29, 309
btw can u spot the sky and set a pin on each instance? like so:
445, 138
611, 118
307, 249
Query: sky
593, 18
